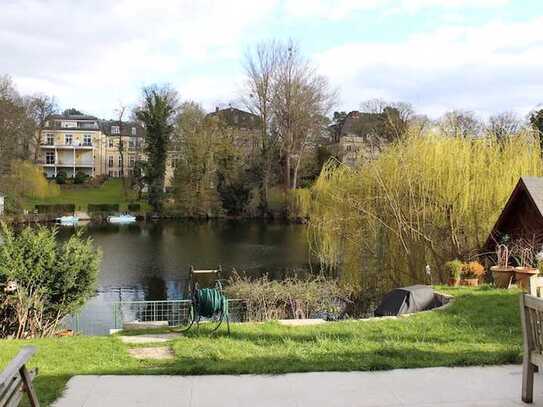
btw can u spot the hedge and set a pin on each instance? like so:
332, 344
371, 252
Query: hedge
55, 208
103, 208
134, 207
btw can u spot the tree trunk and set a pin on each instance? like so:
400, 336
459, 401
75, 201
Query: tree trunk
287, 171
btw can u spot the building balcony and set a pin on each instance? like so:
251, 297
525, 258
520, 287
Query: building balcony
66, 163
76, 146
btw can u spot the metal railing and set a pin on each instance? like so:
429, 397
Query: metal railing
101, 318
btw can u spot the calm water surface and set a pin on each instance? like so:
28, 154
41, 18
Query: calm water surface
150, 261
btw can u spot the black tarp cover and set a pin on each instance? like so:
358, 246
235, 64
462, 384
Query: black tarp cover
406, 300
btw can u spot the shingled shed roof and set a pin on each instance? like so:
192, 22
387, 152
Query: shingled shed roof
522, 215
534, 186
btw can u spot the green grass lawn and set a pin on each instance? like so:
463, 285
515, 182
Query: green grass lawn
482, 327
110, 192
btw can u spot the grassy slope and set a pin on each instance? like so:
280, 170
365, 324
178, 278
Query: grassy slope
110, 192
481, 327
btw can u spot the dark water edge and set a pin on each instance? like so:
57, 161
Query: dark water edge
149, 261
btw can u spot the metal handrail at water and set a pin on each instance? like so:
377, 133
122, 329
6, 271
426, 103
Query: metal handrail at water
167, 312
115, 315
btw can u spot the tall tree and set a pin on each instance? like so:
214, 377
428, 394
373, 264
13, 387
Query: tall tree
157, 112
460, 123
536, 121
382, 122
41, 107
195, 176
301, 100
16, 125
260, 69
503, 125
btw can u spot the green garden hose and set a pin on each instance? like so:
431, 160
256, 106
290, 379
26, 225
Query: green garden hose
210, 302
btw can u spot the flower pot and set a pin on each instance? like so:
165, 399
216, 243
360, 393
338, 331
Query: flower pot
503, 276
522, 276
470, 282
453, 282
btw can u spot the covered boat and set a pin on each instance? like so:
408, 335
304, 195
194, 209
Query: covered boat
406, 300
67, 220
124, 218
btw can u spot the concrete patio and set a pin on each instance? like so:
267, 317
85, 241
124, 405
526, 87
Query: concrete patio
453, 387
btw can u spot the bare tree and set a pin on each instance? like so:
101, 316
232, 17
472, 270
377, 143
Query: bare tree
390, 120
301, 100
503, 125
40, 107
260, 69
460, 123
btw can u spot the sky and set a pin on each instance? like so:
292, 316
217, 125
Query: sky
480, 55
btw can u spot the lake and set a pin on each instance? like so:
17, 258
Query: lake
151, 260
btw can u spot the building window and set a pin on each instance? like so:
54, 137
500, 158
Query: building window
134, 131
50, 157
131, 143
50, 139
110, 143
115, 130
110, 161
110, 173
120, 162
131, 161
68, 139
87, 140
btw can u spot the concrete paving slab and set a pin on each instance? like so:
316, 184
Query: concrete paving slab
497, 386
149, 338
162, 353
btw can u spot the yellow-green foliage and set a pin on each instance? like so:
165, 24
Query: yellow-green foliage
425, 200
27, 180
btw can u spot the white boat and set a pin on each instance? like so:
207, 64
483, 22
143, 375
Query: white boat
124, 218
67, 220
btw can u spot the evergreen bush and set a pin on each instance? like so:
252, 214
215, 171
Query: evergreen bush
44, 280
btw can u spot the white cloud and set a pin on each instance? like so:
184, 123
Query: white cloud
489, 68
93, 55
102, 51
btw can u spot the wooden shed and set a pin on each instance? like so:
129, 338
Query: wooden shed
522, 216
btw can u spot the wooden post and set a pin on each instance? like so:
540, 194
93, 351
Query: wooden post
527, 366
27, 381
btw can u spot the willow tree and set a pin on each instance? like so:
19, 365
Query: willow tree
424, 200
195, 175
157, 113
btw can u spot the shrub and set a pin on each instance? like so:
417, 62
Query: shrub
93, 208
27, 180
61, 178
290, 298
454, 268
55, 208
49, 280
473, 269
80, 178
134, 207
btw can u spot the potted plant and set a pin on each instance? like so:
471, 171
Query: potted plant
502, 272
525, 270
454, 270
471, 273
